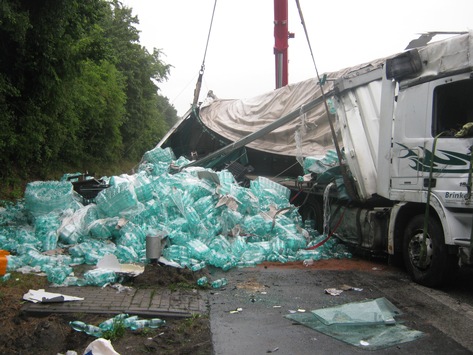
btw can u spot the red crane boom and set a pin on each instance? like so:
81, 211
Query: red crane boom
281, 35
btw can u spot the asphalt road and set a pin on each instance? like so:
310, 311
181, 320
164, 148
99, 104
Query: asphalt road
248, 315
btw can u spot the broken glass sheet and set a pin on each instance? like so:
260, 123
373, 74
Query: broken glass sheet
378, 311
357, 329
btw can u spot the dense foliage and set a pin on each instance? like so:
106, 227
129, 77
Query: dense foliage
76, 86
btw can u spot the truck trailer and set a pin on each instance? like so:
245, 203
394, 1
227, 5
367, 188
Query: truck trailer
400, 130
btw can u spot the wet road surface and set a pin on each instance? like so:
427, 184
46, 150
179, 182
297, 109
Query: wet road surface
248, 315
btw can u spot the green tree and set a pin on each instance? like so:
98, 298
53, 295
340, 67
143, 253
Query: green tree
144, 123
76, 86
99, 105
168, 111
39, 64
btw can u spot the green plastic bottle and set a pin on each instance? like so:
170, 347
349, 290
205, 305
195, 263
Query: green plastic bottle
219, 283
202, 281
156, 322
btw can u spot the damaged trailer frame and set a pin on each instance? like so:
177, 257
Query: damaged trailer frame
405, 125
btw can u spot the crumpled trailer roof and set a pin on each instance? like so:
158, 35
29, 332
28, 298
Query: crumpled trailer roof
230, 120
237, 118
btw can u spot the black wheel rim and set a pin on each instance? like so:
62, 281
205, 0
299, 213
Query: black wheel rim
414, 250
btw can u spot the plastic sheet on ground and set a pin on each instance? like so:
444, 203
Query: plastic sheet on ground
41, 295
369, 324
110, 262
378, 311
205, 216
100, 346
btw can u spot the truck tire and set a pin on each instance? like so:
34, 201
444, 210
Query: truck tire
438, 265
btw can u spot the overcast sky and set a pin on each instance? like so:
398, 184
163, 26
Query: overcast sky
240, 59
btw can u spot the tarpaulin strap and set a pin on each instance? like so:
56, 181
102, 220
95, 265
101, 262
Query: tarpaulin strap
327, 217
299, 136
423, 247
319, 244
343, 169
202, 67
198, 86
278, 212
468, 201
295, 196
306, 195
282, 172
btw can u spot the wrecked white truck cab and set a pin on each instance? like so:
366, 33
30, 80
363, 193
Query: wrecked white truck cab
407, 134
402, 128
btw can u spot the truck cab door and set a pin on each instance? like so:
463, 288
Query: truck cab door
440, 108
409, 139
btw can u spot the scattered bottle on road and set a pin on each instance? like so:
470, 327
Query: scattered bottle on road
156, 322
202, 281
219, 283
86, 328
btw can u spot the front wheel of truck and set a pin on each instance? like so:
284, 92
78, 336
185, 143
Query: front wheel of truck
434, 269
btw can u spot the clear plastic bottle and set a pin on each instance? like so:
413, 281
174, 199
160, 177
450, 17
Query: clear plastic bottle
197, 248
198, 266
282, 258
109, 323
78, 325
129, 320
93, 330
86, 328
36, 258
230, 264
139, 324
14, 262
73, 281
56, 274
191, 216
219, 283
100, 277
202, 281
156, 322
308, 262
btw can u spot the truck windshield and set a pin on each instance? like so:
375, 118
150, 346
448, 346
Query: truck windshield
453, 109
